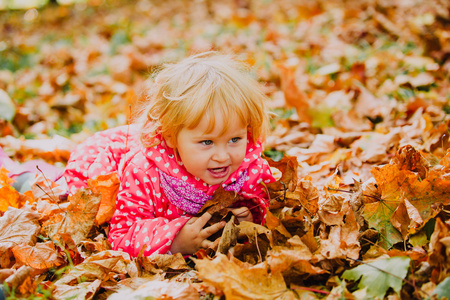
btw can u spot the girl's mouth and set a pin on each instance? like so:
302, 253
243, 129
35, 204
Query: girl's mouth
218, 172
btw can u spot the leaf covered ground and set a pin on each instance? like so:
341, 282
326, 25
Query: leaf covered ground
360, 144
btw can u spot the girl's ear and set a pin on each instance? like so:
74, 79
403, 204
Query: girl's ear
169, 141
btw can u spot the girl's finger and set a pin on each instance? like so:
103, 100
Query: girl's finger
208, 231
206, 244
203, 219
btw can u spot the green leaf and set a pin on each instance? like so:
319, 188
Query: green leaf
7, 108
376, 281
321, 115
443, 289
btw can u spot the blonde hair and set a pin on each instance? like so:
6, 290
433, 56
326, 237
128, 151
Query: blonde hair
201, 86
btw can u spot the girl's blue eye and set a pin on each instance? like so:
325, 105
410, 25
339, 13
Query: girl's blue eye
235, 139
206, 142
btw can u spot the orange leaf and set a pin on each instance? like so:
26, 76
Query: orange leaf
8, 195
293, 95
40, 257
440, 245
107, 186
295, 260
406, 218
240, 281
77, 220
18, 226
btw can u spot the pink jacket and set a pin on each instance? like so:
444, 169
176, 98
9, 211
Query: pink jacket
145, 214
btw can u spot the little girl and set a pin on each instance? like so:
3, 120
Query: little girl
202, 127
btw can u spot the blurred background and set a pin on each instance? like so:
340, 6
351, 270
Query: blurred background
350, 81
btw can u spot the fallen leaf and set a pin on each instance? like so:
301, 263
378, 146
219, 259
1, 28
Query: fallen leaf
77, 220
229, 236
294, 96
22, 281
8, 195
438, 254
406, 218
41, 257
17, 227
238, 282
221, 199
5, 273
380, 275
80, 291
161, 263
107, 186
157, 289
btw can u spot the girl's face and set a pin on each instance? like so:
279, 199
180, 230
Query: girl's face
212, 157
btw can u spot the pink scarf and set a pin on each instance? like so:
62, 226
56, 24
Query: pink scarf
186, 197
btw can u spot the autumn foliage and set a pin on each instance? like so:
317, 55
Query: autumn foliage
359, 146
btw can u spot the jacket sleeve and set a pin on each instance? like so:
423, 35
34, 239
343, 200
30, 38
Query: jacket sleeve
254, 192
143, 217
98, 155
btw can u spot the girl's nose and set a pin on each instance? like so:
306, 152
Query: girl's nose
221, 155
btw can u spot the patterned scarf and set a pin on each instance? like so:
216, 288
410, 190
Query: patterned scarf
186, 197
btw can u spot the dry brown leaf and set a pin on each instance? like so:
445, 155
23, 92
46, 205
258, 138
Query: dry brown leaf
77, 220
102, 266
342, 240
107, 186
80, 291
161, 263
8, 195
17, 227
229, 236
160, 289
238, 282
292, 261
439, 248
294, 96
41, 257
22, 281
288, 167
406, 218
221, 199
5, 273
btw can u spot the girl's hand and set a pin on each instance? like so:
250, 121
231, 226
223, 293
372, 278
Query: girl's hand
193, 236
242, 213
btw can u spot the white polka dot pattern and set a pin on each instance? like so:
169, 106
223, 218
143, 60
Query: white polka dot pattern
144, 217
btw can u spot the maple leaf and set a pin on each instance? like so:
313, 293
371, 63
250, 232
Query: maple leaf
77, 220
379, 275
41, 257
221, 199
17, 227
292, 260
229, 236
440, 245
159, 289
107, 186
288, 168
81, 291
294, 96
8, 195
103, 266
5, 273
406, 218
161, 263
22, 281
239, 281
396, 184
343, 238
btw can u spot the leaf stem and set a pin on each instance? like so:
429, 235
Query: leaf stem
384, 271
310, 289
351, 192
